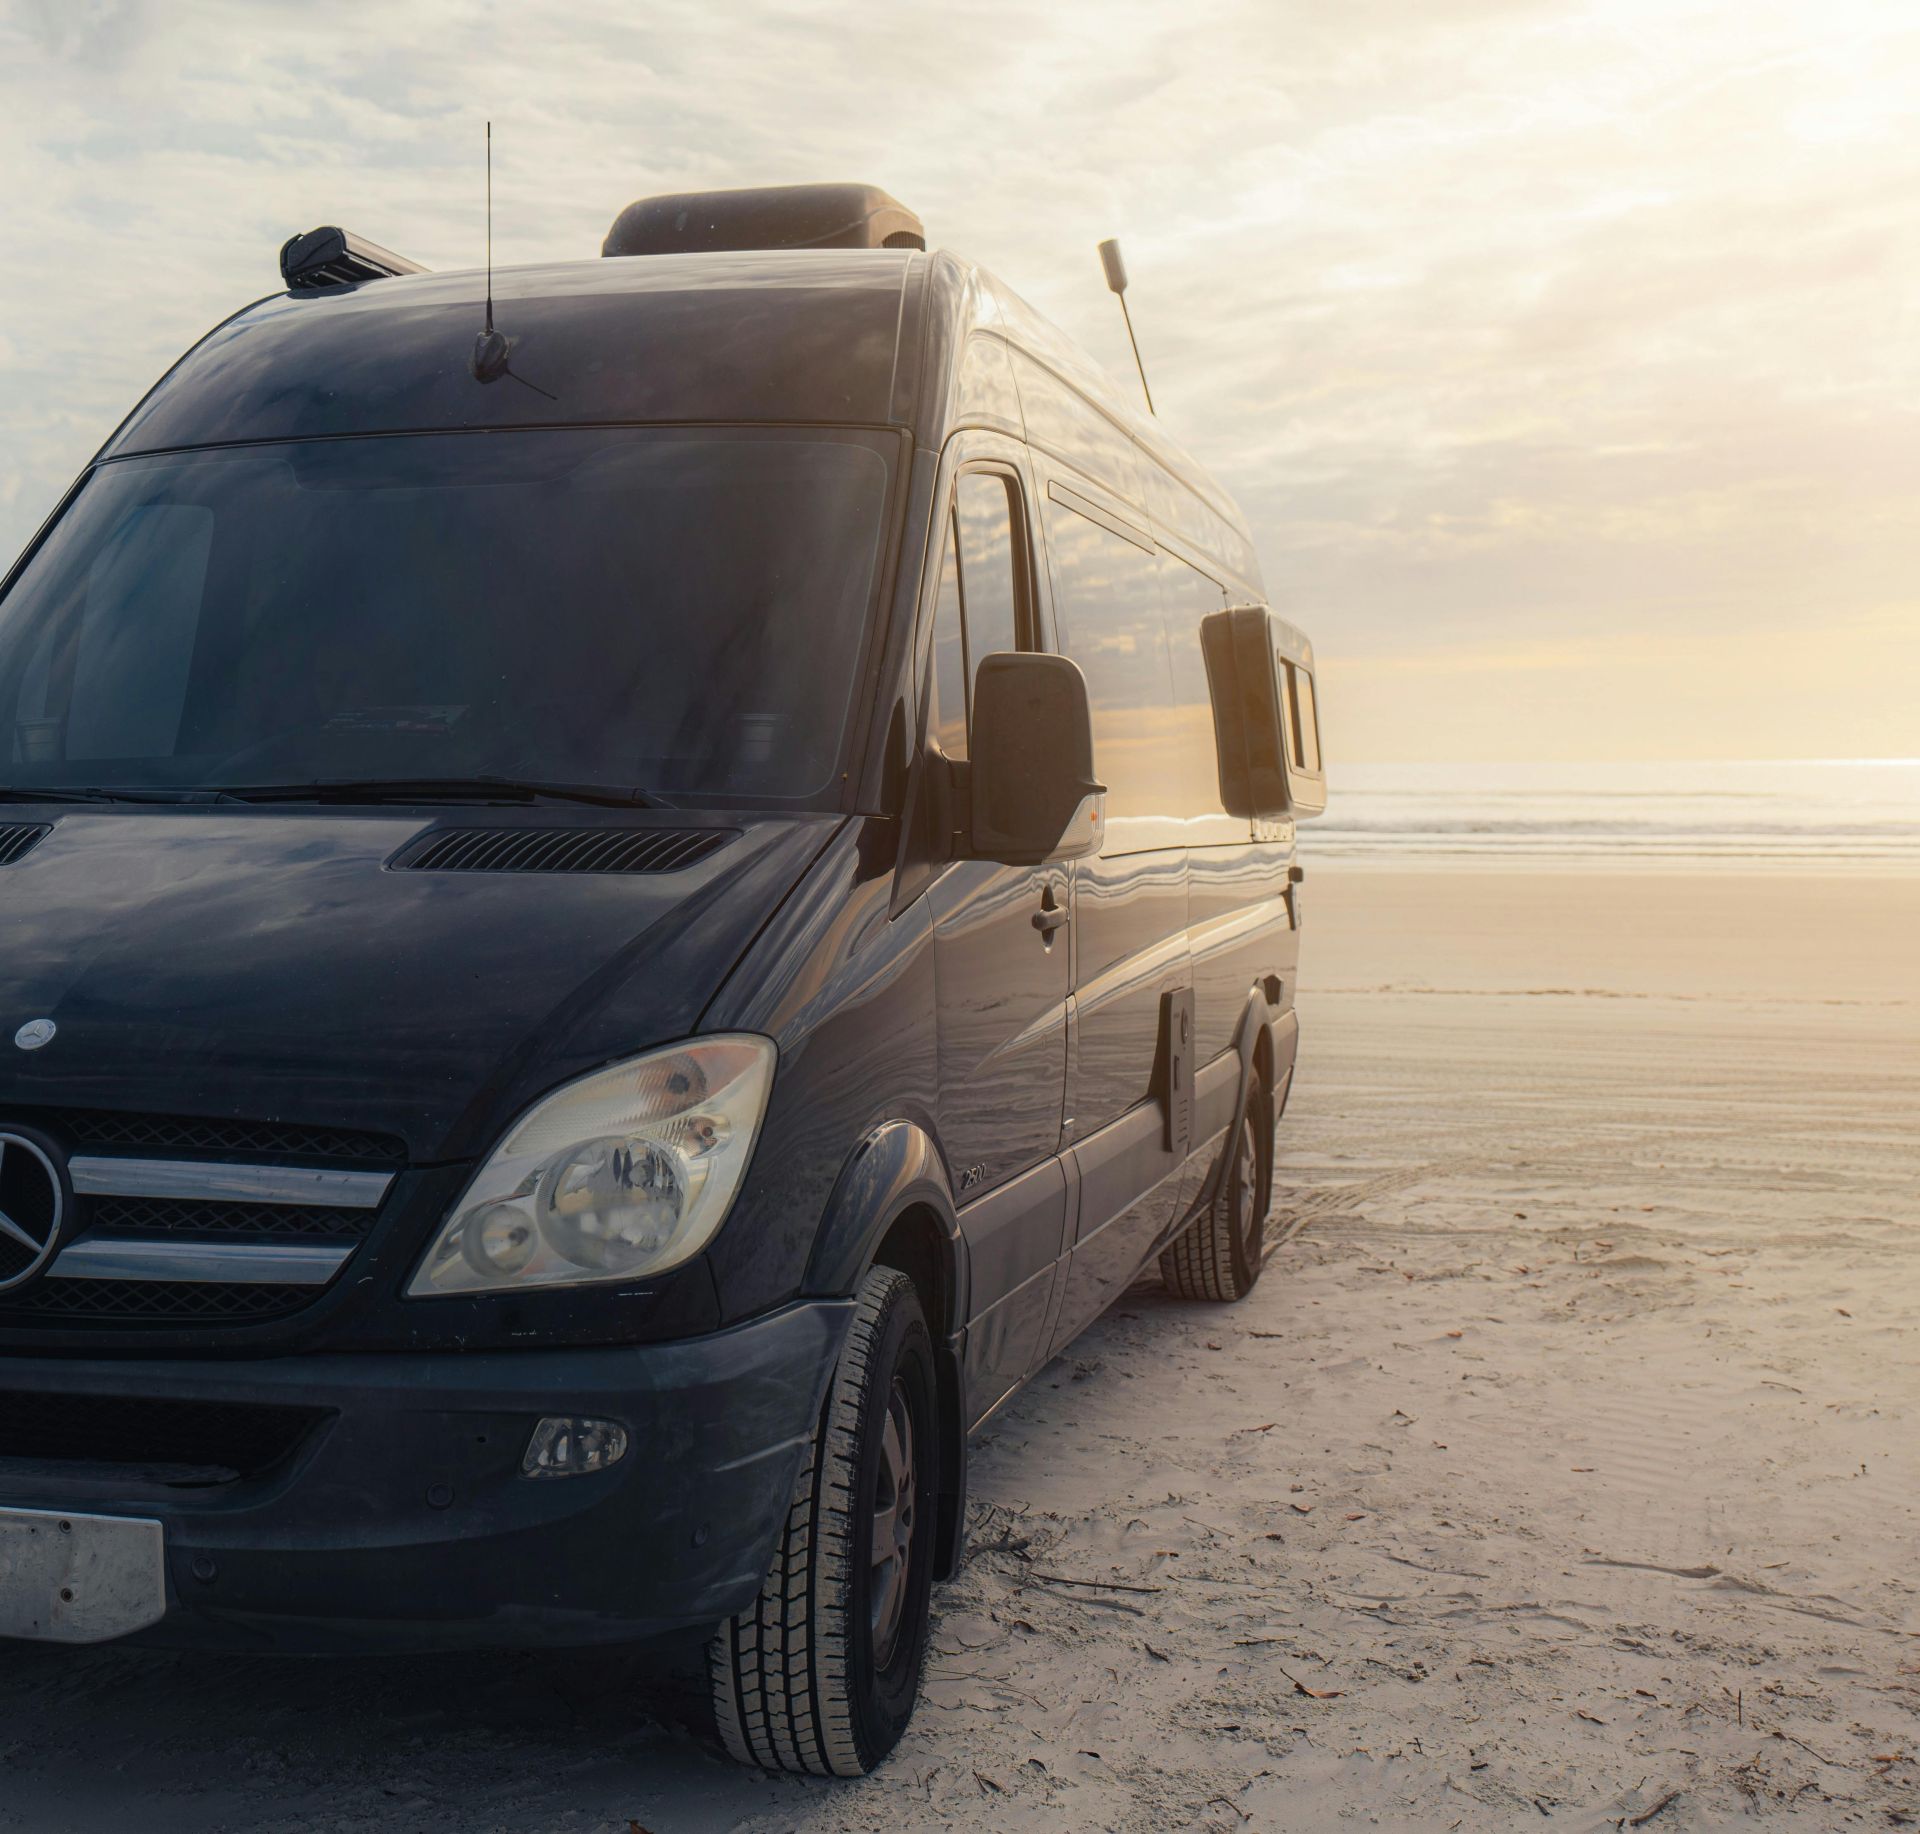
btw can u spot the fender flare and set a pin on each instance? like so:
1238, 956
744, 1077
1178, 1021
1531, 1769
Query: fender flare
895, 1168
1283, 1034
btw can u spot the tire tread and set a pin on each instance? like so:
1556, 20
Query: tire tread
781, 1670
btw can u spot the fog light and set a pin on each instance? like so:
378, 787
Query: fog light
564, 1447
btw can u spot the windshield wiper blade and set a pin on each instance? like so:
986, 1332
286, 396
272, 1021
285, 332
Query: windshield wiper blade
481, 787
29, 792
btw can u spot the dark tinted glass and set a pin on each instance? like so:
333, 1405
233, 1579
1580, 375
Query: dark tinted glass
987, 562
1106, 599
683, 612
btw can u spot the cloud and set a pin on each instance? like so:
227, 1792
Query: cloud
1507, 320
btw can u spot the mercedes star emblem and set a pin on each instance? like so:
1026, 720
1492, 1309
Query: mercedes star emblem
35, 1033
32, 1202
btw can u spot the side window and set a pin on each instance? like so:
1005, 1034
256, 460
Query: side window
988, 580
1190, 597
982, 596
1107, 602
1303, 721
947, 713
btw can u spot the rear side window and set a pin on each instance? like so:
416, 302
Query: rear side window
1107, 602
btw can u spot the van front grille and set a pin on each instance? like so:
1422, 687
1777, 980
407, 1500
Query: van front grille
193, 1215
161, 1133
182, 1223
131, 1430
54, 1300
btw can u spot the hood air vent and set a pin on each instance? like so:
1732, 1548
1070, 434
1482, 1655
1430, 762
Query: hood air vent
561, 849
17, 838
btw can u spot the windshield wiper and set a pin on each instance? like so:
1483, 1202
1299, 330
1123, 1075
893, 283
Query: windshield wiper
29, 792
478, 788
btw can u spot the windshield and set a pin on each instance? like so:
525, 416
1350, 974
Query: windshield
680, 613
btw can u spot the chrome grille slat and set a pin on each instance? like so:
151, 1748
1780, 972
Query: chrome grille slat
209, 1263
113, 1176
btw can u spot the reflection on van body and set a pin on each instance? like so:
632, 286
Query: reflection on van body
563, 1076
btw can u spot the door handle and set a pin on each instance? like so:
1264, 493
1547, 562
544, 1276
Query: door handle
1051, 914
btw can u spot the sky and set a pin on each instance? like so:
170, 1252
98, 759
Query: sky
1562, 355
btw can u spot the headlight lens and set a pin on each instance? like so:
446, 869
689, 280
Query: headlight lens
624, 1173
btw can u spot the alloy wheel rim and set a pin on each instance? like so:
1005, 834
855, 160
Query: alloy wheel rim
890, 1546
1247, 1179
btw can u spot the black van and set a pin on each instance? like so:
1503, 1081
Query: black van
630, 890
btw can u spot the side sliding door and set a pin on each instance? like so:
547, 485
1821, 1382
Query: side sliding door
1132, 974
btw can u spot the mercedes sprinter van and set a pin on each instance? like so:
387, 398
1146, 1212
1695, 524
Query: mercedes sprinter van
631, 890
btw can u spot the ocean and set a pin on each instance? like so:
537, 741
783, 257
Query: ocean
1846, 814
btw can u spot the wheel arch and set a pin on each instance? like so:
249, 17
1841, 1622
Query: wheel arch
892, 1205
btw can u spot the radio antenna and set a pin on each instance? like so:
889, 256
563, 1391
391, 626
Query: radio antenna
1117, 281
493, 350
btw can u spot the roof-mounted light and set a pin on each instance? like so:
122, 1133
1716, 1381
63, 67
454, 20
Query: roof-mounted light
338, 258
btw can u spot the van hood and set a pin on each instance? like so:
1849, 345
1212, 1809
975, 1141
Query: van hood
272, 965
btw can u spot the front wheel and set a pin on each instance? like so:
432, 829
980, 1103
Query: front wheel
821, 1673
1218, 1255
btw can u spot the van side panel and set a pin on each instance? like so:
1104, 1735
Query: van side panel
1240, 932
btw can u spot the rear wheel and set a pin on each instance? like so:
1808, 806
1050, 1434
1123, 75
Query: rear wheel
1217, 1256
821, 1674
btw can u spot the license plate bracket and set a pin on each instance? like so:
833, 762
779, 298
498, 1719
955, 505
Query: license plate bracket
72, 1578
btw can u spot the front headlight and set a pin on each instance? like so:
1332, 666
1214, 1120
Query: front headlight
624, 1173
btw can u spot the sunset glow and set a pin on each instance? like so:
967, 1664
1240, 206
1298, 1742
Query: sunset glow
1562, 355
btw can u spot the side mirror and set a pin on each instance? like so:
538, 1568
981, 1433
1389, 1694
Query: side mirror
1031, 786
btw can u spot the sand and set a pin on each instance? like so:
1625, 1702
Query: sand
1562, 1466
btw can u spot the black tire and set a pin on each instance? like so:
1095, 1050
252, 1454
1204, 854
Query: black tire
821, 1674
1218, 1255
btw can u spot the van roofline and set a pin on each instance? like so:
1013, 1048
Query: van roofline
769, 336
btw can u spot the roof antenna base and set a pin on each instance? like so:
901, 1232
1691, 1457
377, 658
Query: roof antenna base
492, 351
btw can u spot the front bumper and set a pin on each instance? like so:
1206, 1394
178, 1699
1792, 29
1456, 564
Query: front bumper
402, 1520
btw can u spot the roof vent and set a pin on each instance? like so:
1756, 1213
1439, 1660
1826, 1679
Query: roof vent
561, 849
17, 838
778, 216
338, 258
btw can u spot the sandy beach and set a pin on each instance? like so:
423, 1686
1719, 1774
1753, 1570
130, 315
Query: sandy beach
1564, 1467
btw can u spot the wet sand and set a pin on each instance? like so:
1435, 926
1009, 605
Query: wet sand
1565, 1464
